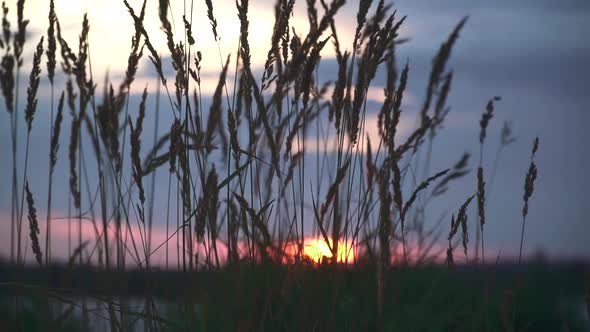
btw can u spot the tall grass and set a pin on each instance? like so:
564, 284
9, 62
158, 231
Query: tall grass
239, 174
529, 187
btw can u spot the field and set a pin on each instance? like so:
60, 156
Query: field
538, 297
273, 197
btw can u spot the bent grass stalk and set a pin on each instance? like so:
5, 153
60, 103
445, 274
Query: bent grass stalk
529, 187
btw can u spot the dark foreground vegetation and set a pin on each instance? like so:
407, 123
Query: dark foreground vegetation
242, 198
501, 297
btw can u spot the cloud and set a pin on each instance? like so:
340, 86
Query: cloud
330, 142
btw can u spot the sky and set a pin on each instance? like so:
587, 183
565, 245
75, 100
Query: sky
532, 53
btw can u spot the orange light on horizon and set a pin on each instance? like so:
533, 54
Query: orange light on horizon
317, 248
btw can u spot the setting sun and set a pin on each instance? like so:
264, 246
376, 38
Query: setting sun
316, 249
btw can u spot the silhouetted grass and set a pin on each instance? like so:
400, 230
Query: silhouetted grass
274, 297
239, 184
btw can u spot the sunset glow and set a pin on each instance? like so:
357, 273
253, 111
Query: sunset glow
316, 249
